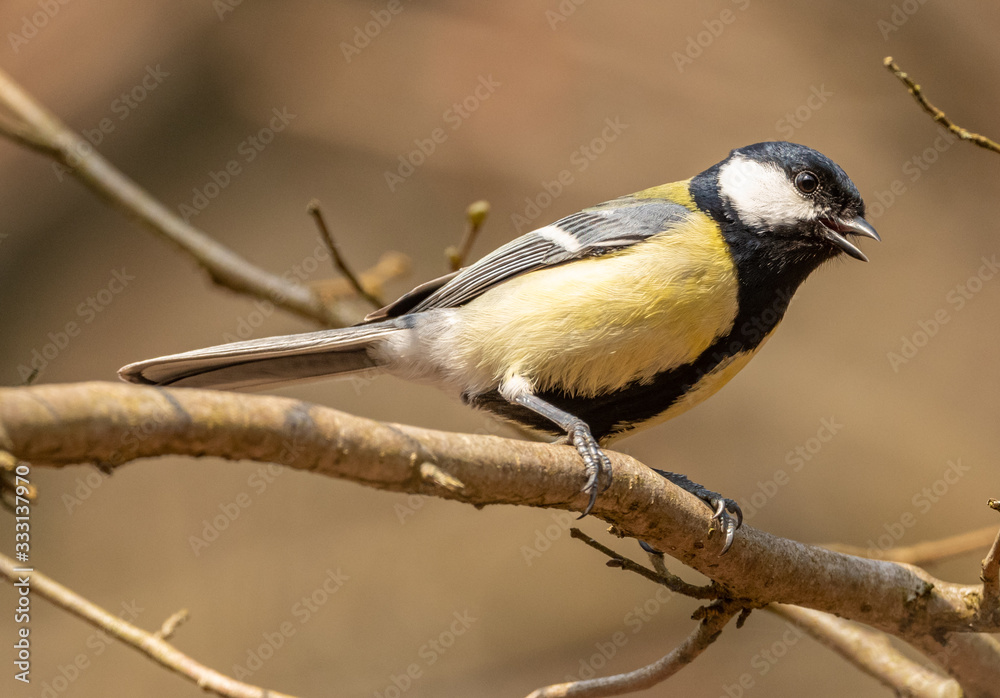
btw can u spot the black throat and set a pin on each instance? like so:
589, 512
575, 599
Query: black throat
770, 265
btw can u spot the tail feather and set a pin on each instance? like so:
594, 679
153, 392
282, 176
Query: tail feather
258, 362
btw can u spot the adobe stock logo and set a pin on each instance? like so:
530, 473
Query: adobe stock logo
365, 34
123, 107
958, 297
248, 150
453, 117
60, 338
697, 44
34, 23
921, 503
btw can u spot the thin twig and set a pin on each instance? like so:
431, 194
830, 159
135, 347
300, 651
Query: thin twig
926, 552
871, 652
338, 259
22, 133
708, 630
37, 128
391, 265
9, 484
475, 216
664, 577
148, 643
936, 114
991, 572
171, 624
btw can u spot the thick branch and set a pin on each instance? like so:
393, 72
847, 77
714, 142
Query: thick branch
37, 128
113, 424
970, 658
153, 645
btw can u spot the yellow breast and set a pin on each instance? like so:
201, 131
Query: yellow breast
595, 325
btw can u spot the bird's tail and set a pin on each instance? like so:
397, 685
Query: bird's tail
257, 362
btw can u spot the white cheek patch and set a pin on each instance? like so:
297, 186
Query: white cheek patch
762, 195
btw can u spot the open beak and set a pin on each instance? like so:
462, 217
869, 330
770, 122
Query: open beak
835, 230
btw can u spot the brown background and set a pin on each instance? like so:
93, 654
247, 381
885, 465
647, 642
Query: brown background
129, 540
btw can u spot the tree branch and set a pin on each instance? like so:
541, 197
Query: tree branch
37, 128
314, 210
935, 113
111, 424
671, 581
391, 265
872, 653
925, 552
475, 216
966, 657
868, 650
713, 620
153, 645
171, 624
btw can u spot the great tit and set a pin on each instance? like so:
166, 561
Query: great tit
610, 320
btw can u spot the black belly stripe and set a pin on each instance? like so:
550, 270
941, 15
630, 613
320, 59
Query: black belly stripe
615, 413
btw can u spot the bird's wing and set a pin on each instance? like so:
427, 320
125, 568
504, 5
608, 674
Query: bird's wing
589, 233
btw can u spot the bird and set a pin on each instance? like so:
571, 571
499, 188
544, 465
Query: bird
610, 320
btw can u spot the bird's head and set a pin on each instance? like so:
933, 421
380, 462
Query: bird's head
789, 200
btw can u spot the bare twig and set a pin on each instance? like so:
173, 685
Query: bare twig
714, 620
25, 135
662, 576
926, 552
872, 653
936, 114
148, 643
12, 487
475, 216
338, 259
869, 650
171, 624
35, 127
391, 265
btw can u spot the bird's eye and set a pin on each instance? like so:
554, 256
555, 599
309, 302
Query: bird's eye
806, 182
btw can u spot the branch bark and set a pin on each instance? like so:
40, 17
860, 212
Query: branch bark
935, 113
111, 424
35, 127
872, 653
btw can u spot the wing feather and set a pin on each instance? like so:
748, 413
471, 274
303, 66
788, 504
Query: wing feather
588, 233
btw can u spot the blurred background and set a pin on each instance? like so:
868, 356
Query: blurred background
869, 419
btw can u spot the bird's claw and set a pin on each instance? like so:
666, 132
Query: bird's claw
727, 523
595, 462
720, 506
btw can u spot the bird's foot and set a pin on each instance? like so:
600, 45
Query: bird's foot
725, 511
594, 459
